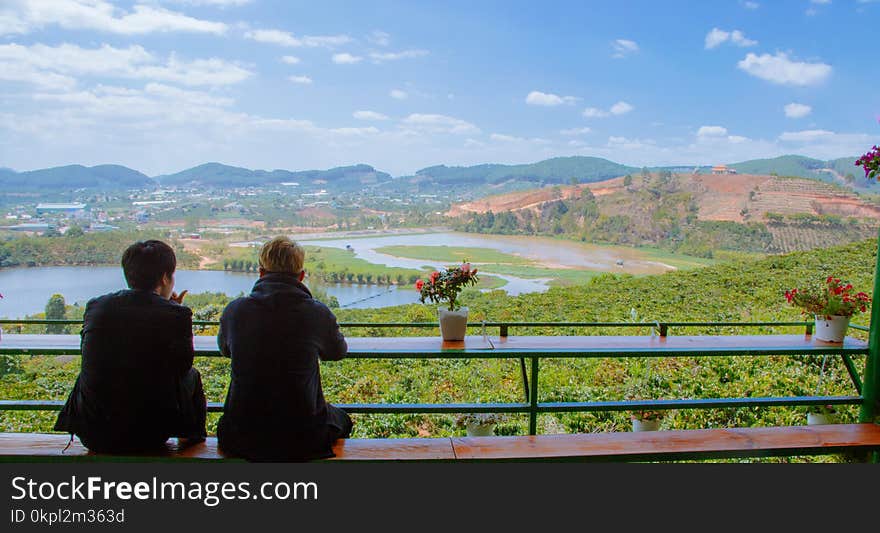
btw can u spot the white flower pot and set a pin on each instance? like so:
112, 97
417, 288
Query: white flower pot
646, 425
453, 324
819, 419
480, 430
832, 329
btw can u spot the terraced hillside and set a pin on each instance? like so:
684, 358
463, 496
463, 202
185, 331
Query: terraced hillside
666, 209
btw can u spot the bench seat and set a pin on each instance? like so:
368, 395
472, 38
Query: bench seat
618, 446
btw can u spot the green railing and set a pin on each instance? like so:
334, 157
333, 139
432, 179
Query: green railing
865, 395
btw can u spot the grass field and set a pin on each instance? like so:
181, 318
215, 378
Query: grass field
454, 254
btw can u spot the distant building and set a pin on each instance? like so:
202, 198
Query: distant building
35, 227
102, 227
71, 209
722, 169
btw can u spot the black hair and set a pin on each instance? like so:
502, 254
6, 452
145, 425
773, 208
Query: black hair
145, 262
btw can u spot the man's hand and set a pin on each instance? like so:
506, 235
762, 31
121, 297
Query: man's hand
178, 297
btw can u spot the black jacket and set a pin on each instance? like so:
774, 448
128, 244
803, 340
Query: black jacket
136, 349
276, 337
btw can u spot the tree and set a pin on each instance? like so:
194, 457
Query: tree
55, 311
627, 180
74, 231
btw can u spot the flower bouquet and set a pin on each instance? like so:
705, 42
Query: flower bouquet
833, 304
870, 162
444, 287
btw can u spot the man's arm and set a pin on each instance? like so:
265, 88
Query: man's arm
335, 346
181, 348
222, 341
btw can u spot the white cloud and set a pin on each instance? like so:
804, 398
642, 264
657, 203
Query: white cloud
820, 2
439, 124
217, 3
379, 38
712, 131
595, 112
302, 80
751, 5
621, 108
781, 70
24, 16
397, 94
623, 48
717, 37
575, 131
346, 59
380, 57
369, 115
548, 99
795, 110
283, 38
806, 135
505, 138
133, 62
290, 60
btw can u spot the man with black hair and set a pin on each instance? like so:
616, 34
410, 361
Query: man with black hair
137, 386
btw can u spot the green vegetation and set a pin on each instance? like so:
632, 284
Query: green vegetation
454, 254
82, 249
738, 291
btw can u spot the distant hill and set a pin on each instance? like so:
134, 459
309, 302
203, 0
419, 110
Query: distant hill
556, 170
219, 175
481, 179
107, 177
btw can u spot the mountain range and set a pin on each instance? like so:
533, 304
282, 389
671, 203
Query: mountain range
559, 170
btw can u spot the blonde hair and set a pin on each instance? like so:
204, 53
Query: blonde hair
282, 255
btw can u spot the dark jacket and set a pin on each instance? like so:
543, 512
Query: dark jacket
136, 349
276, 337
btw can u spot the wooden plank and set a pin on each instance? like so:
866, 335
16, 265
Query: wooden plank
48, 445
705, 443
437, 449
51, 446
508, 346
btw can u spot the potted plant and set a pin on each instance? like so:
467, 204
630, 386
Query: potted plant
643, 419
479, 424
821, 414
646, 420
443, 287
832, 304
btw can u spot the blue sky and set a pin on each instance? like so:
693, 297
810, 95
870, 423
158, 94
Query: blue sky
162, 85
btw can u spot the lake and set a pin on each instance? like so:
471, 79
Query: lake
26, 290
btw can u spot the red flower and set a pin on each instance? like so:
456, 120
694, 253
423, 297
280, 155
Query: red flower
434, 276
419, 284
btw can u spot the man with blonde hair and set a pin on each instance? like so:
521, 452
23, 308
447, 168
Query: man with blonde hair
276, 336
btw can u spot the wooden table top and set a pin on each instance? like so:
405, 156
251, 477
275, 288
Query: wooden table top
513, 346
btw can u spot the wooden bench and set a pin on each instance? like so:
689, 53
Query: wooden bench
674, 445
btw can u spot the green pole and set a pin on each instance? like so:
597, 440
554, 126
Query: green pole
871, 384
533, 399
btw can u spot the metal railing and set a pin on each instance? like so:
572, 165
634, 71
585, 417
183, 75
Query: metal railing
530, 374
